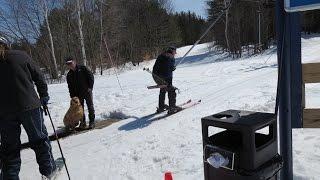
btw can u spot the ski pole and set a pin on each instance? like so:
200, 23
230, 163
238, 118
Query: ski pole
46, 109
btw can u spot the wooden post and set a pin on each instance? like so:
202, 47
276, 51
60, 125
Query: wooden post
310, 74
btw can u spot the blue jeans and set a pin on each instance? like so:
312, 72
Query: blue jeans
10, 131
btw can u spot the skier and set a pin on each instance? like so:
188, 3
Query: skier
162, 75
80, 83
20, 105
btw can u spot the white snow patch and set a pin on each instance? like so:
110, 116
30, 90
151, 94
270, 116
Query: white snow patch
138, 148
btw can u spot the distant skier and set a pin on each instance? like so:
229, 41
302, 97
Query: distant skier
20, 105
80, 83
162, 75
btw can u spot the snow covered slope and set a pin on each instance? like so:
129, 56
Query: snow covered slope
139, 149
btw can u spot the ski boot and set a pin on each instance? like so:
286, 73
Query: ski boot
164, 108
55, 174
174, 109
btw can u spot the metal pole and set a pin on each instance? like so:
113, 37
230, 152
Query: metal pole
56, 135
284, 121
101, 38
203, 35
294, 43
289, 58
259, 28
113, 64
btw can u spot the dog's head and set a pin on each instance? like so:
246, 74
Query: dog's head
75, 102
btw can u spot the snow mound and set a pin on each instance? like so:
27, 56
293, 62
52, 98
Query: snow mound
116, 114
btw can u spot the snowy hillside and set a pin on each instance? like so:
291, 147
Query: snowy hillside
139, 149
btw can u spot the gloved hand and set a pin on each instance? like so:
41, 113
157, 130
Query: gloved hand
44, 100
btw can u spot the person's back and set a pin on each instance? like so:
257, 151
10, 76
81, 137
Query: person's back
18, 74
162, 74
164, 65
20, 105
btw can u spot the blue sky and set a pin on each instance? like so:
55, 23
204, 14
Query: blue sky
197, 6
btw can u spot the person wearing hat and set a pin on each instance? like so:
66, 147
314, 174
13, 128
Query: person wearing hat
20, 105
80, 83
162, 74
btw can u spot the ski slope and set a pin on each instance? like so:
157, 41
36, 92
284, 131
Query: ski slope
138, 149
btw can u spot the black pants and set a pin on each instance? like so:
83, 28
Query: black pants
10, 131
89, 101
170, 89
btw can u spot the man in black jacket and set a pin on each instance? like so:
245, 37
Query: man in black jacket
162, 75
80, 83
20, 105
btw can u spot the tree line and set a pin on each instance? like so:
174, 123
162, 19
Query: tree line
249, 25
98, 33
109, 33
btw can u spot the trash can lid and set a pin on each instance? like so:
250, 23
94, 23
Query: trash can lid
248, 119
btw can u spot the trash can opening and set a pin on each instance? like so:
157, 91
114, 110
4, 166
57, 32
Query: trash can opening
264, 137
222, 116
228, 139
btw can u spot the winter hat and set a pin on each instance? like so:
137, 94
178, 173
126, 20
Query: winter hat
171, 49
68, 59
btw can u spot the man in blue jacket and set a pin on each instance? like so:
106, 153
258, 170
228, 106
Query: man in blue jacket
20, 105
162, 74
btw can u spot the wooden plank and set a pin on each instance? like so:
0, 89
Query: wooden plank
311, 118
62, 133
311, 73
156, 86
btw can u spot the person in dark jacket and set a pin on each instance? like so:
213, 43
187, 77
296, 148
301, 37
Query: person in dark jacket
162, 74
80, 83
20, 105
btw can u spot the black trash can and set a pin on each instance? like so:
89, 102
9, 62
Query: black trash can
245, 149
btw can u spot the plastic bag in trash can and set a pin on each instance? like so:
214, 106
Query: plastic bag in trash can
217, 160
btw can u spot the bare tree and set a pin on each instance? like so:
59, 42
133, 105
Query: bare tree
226, 3
83, 49
23, 20
45, 11
101, 36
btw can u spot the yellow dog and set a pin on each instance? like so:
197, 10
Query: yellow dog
74, 115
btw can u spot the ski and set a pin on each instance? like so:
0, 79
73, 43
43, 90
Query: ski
185, 105
150, 116
192, 103
182, 104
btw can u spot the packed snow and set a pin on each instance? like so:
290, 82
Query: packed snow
138, 148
